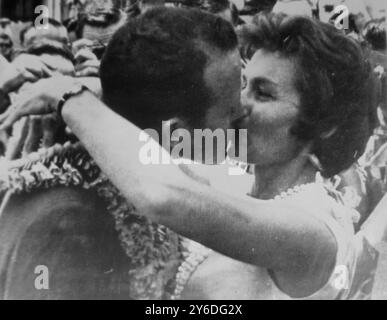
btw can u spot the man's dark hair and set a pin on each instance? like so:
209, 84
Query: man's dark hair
153, 68
334, 80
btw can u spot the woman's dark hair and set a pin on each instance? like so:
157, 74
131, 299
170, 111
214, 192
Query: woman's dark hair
338, 110
153, 68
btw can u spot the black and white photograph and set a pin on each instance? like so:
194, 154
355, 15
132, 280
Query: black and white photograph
193, 150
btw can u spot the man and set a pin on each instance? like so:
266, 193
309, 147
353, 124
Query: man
68, 229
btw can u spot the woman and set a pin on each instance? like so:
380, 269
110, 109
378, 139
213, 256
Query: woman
305, 102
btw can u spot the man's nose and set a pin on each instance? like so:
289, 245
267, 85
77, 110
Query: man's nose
244, 97
236, 112
246, 104
240, 121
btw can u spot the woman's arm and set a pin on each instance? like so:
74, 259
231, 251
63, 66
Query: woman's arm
258, 232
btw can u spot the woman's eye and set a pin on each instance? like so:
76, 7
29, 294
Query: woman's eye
262, 95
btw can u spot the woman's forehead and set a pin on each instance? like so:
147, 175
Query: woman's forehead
273, 67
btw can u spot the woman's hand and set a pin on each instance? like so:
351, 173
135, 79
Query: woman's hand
25, 68
40, 98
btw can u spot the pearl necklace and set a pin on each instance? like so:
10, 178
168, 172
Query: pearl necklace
294, 191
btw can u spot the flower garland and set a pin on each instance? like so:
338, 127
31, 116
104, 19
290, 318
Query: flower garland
161, 262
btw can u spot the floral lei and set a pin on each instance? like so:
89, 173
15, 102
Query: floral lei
161, 262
